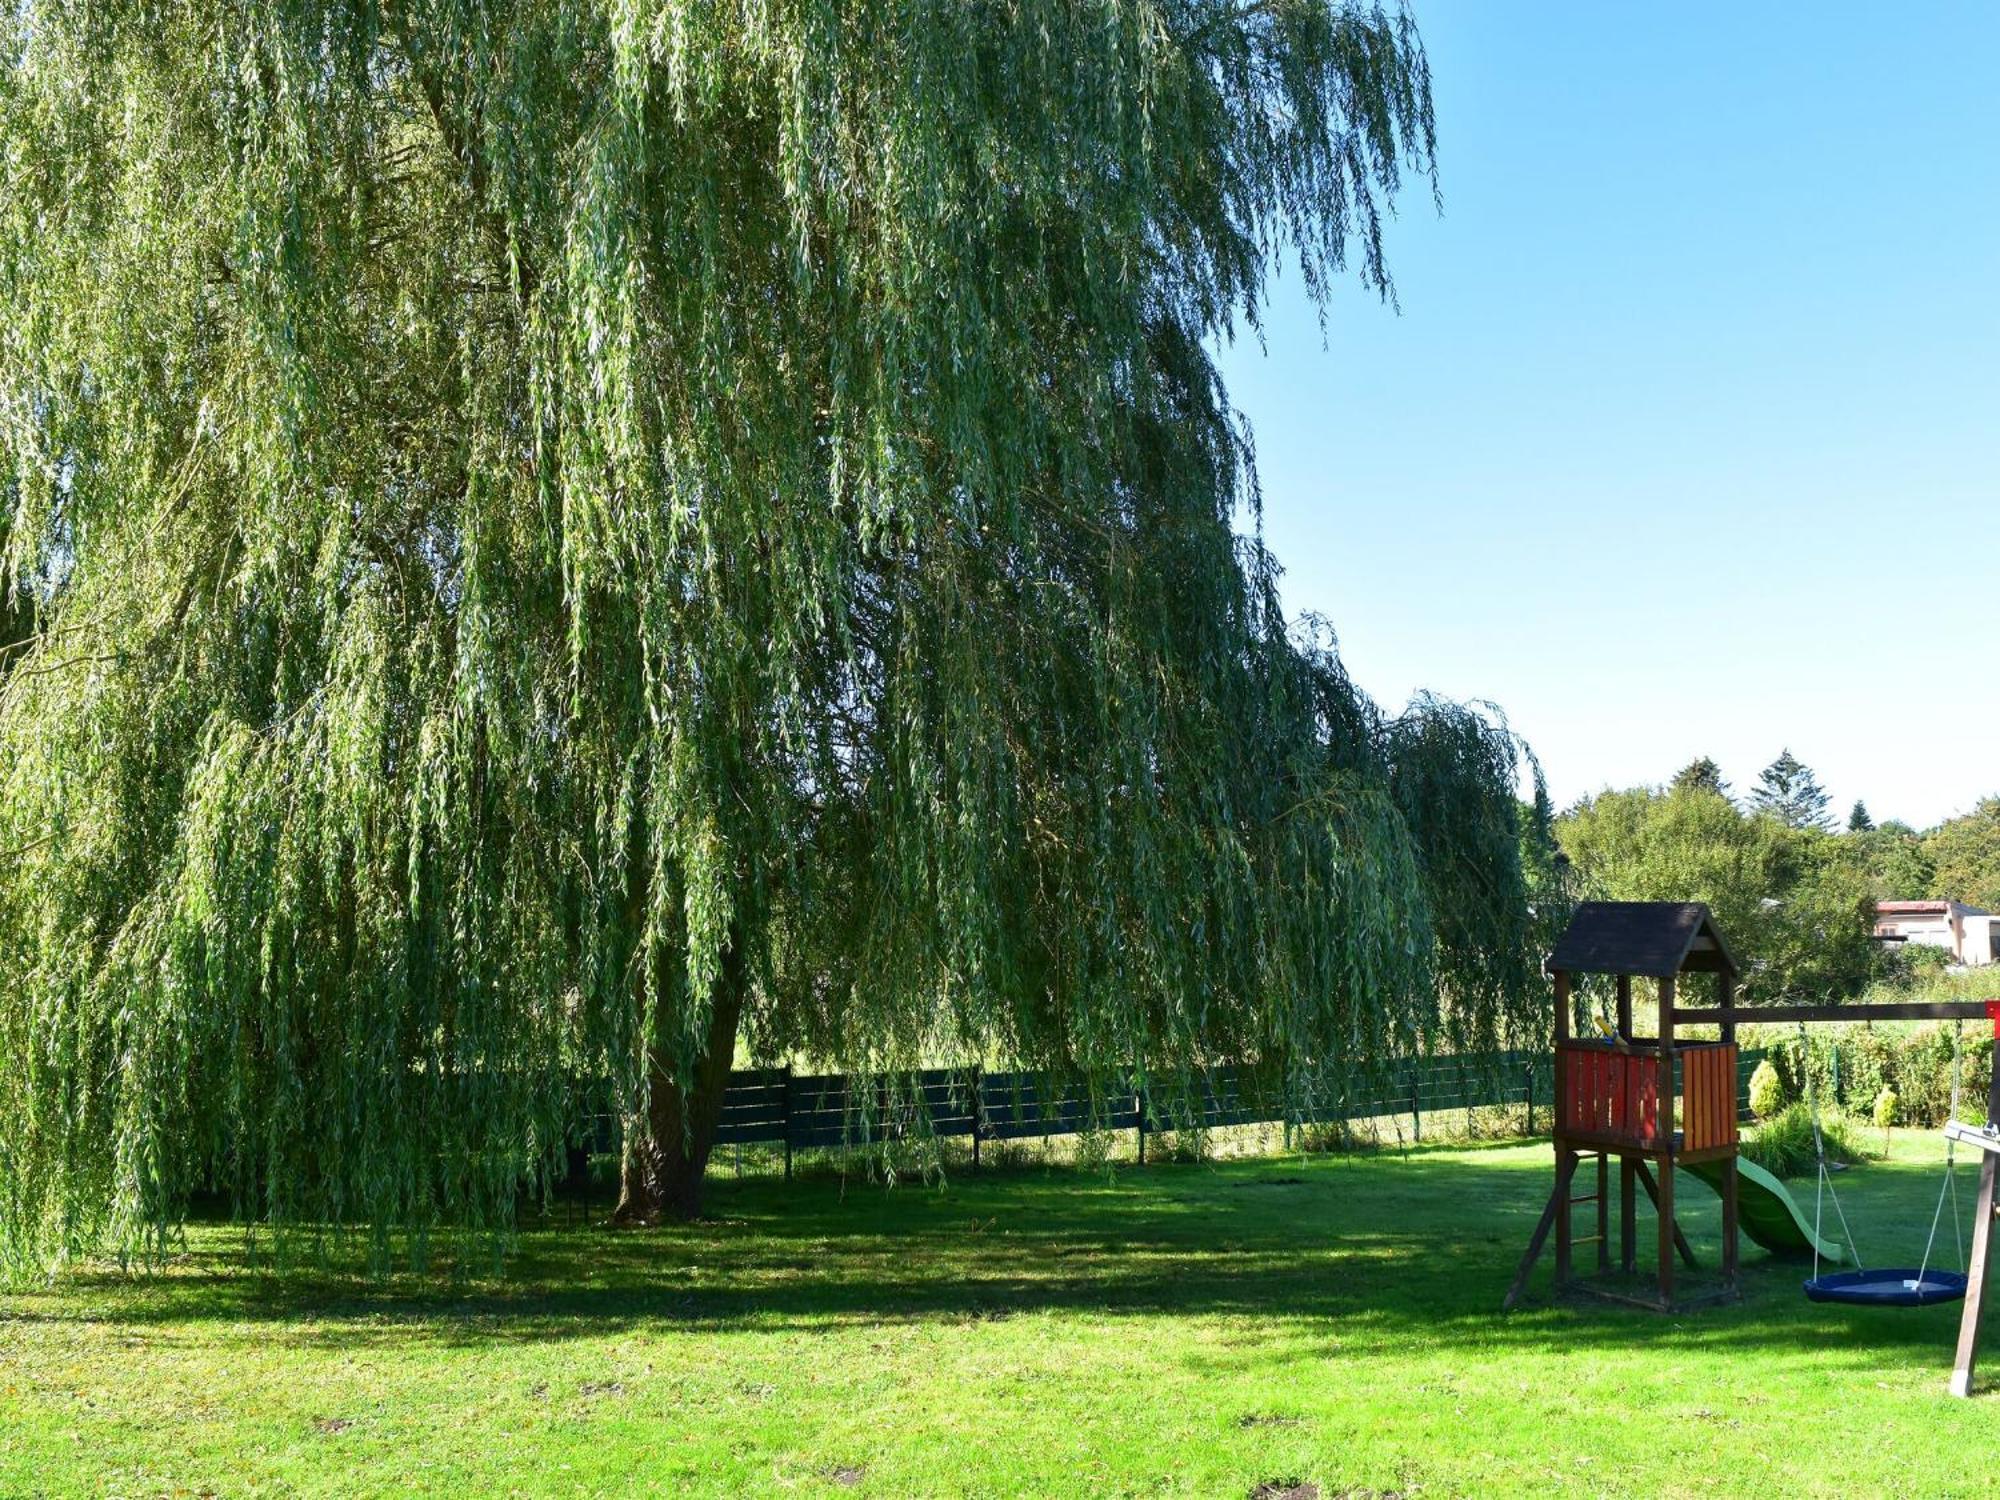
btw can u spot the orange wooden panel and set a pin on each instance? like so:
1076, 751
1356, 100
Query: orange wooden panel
1698, 1123
1701, 1113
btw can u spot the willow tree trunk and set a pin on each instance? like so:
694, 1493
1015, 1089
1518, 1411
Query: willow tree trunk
663, 1167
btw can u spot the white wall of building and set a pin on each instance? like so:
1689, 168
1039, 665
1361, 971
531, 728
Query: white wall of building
1968, 934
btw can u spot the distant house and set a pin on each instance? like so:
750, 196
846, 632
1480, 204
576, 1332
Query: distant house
1968, 934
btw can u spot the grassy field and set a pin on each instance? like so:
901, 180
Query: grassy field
1181, 1330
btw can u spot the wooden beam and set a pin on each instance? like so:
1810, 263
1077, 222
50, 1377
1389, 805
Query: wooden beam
1663, 1194
1747, 1015
1558, 1203
1628, 1177
1982, 1252
1603, 1213
1653, 1192
1566, 1161
1729, 1227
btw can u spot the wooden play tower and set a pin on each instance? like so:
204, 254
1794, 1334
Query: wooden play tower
1655, 1103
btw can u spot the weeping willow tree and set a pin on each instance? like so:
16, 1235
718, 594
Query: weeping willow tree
549, 541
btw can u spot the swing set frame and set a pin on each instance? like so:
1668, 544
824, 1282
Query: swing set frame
1661, 940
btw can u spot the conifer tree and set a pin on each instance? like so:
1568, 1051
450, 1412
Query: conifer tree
1789, 792
1701, 774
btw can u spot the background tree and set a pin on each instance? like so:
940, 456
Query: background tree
1892, 858
573, 539
1797, 914
1964, 854
1789, 792
1858, 820
1701, 774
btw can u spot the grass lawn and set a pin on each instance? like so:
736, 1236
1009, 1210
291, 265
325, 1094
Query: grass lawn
1197, 1330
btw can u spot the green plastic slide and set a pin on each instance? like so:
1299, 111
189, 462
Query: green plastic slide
1766, 1212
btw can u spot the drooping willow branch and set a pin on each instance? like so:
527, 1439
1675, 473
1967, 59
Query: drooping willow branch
811, 599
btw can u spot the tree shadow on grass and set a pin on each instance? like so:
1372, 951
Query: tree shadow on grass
1311, 1257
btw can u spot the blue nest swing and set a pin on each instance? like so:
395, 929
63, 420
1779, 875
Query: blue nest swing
1895, 1286
1885, 1286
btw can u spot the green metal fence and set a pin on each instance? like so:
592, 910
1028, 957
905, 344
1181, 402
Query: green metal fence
807, 1111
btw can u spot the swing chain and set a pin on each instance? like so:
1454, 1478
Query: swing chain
1823, 1185
1950, 1184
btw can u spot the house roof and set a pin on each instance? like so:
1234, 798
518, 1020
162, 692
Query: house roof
1926, 908
1656, 938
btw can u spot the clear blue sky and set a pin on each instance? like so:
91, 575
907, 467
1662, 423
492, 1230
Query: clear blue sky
1687, 438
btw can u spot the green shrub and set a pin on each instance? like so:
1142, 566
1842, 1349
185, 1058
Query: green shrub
1910, 965
1783, 1144
1767, 1091
1884, 1112
1849, 1066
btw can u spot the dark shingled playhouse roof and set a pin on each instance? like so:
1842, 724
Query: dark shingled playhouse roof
1655, 938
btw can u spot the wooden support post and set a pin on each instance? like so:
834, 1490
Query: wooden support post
1557, 1207
1664, 1195
1729, 1225
1653, 1192
1982, 1247
1628, 1219
1139, 1104
1975, 1279
1725, 996
1625, 1006
1603, 1212
787, 1086
1566, 1161
1669, 1231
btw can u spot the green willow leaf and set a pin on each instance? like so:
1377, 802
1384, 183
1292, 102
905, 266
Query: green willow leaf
550, 537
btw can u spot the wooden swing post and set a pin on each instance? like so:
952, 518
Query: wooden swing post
1982, 1225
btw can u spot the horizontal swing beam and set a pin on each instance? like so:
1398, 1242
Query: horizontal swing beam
1981, 1137
1750, 1015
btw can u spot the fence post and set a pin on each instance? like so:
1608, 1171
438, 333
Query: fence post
1416, 1104
978, 1116
1139, 1108
787, 1086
